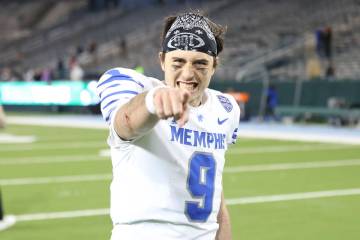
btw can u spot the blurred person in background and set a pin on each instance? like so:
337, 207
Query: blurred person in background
271, 103
6, 75
330, 71
76, 72
168, 139
46, 75
29, 75
2, 117
123, 48
60, 69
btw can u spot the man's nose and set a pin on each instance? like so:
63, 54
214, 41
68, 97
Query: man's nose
187, 73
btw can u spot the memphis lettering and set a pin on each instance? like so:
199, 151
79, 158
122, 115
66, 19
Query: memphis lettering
198, 139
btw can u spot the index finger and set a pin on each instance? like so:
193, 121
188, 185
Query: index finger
184, 96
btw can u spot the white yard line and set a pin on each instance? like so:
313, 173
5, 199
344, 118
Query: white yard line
74, 121
302, 133
58, 179
233, 201
58, 215
240, 150
106, 152
293, 196
289, 166
53, 146
249, 168
51, 159
271, 149
288, 148
10, 138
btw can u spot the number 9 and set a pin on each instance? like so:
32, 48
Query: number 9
200, 184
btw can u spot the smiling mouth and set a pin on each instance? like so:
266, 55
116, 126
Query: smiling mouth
190, 86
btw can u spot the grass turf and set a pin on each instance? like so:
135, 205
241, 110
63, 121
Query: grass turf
321, 218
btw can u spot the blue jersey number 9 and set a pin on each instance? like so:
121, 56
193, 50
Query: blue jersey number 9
200, 184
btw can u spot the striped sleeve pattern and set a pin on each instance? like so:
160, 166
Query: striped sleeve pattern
234, 136
115, 88
235, 122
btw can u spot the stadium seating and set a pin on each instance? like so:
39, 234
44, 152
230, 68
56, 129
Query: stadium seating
262, 34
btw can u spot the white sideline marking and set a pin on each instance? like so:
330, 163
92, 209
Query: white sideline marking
56, 146
293, 196
57, 215
233, 201
287, 148
51, 159
59, 179
289, 166
306, 134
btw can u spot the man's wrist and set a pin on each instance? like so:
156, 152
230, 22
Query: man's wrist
149, 99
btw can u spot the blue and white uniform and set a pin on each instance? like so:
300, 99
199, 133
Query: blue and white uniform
167, 184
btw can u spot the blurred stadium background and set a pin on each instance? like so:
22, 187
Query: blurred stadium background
293, 66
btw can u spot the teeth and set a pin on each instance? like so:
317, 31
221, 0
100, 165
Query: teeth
187, 86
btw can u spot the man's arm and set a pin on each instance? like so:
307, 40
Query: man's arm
133, 119
224, 231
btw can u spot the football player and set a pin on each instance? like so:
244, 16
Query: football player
168, 139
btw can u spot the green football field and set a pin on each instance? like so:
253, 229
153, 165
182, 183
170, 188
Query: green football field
275, 189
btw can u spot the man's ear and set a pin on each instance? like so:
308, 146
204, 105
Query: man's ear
216, 63
162, 60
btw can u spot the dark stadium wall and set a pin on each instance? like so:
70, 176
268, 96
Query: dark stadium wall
314, 92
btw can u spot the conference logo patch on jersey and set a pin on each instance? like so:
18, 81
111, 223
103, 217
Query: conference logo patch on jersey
225, 102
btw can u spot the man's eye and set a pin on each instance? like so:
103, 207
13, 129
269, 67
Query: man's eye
176, 66
200, 66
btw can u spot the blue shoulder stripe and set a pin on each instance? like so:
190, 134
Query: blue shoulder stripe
109, 114
112, 72
120, 77
109, 103
111, 86
120, 92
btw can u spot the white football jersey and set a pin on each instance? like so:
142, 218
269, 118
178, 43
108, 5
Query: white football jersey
167, 184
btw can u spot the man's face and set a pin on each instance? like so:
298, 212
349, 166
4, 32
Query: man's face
188, 70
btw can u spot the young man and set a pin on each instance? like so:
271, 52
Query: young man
168, 139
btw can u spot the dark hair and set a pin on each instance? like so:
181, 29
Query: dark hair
217, 29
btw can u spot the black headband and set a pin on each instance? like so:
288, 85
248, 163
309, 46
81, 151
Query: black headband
190, 32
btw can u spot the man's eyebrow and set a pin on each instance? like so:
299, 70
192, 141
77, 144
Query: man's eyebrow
178, 59
201, 61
